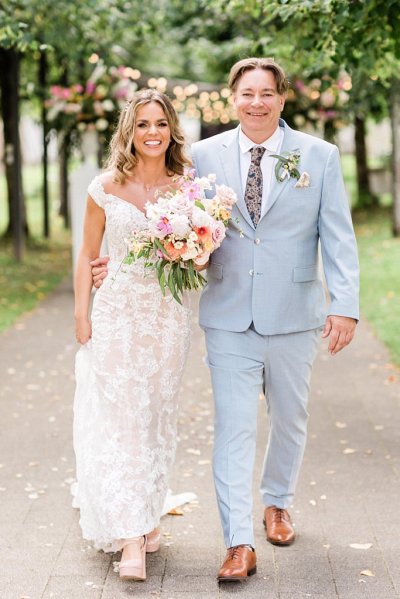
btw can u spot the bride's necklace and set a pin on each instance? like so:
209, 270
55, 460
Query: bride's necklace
149, 188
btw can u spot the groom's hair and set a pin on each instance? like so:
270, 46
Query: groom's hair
267, 64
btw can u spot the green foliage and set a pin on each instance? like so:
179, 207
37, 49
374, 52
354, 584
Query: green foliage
70, 32
380, 282
32, 178
324, 37
24, 284
14, 28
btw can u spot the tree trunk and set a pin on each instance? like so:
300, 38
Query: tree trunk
63, 153
9, 84
329, 131
365, 196
45, 131
395, 122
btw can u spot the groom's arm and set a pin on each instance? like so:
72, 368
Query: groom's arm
339, 255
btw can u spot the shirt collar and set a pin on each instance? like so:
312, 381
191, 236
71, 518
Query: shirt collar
271, 144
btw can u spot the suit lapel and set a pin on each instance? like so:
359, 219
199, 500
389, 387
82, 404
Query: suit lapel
230, 160
277, 187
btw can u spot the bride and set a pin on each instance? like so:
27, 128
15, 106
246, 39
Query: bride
134, 345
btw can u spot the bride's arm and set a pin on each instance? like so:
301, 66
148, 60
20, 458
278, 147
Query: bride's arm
93, 230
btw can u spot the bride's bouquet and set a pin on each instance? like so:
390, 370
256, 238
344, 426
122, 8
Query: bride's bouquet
184, 228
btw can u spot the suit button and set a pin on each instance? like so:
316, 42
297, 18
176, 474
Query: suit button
251, 273
257, 241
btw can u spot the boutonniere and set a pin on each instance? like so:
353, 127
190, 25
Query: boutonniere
286, 166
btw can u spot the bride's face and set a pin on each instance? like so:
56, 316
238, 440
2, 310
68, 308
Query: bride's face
152, 134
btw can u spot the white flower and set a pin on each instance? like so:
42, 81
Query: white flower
101, 124
72, 108
190, 253
200, 218
180, 225
212, 177
155, 211
284, 174
304, 180
180, 204
203, 182
108, 105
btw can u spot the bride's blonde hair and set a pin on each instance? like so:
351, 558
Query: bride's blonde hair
122, 159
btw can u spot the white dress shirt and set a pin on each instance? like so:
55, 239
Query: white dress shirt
272, 145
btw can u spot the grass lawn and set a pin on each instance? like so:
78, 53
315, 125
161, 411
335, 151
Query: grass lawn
380, 276
380, 264
45, 263
23, 285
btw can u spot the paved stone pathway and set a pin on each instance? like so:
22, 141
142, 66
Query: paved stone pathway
346, 509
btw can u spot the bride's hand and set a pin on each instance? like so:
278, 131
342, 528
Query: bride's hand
200, 267
83, 330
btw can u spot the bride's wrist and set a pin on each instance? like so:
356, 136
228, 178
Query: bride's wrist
81, 317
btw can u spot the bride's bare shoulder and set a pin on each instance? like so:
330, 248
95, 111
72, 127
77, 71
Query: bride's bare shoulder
106, 180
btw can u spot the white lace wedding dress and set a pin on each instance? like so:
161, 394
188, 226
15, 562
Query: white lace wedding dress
127, 378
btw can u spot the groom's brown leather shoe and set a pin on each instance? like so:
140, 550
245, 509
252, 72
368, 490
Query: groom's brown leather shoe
239, 563
278, 526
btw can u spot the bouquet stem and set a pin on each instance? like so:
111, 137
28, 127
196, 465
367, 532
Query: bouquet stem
178, 279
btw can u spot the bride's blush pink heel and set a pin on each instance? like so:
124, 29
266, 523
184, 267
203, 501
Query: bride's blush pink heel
134, 569
153, 541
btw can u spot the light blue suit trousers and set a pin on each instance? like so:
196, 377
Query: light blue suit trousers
242, 365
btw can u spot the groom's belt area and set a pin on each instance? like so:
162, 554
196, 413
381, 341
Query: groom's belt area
299, 274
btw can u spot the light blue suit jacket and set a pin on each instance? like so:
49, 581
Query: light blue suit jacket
271, 275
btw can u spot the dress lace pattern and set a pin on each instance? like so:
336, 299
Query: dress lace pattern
127, 379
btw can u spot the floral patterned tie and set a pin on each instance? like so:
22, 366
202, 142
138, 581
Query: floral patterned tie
254, 184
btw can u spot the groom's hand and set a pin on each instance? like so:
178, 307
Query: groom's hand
341, 330
99, 270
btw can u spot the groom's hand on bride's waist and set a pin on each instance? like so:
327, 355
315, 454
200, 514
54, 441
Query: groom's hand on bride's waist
99, 270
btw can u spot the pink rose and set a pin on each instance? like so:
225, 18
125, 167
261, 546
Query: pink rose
66, 93
226, 196
218, 234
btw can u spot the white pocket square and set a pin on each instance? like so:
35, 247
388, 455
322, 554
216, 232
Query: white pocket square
304, 180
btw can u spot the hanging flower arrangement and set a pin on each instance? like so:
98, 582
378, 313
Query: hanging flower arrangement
95, 103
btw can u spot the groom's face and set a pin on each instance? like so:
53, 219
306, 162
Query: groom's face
258, 104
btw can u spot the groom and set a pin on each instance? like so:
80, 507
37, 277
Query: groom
263, 309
